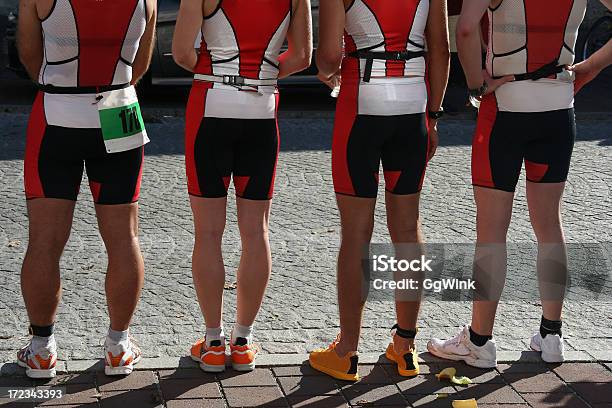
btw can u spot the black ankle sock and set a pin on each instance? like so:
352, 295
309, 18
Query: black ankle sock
41, 331
550, 327
478, 339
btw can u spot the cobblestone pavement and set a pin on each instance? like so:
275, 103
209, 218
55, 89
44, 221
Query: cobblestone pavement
299, 311
573, 385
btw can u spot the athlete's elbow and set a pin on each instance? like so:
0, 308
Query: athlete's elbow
327, 59
304, 59
181, 56
466, 29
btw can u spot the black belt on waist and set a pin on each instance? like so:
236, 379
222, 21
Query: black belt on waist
51, 89
370, 56
547, 70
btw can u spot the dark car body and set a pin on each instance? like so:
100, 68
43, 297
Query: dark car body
164, 71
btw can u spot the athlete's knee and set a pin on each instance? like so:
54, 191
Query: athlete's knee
357, 233
49, 243
254, 232
405, 231
209, 233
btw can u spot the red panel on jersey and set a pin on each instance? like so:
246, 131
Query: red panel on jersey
395, 19
254, 23
546, 28
204, 65
102, 26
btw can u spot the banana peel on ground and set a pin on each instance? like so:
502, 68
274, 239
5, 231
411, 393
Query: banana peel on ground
450, 374
470, 403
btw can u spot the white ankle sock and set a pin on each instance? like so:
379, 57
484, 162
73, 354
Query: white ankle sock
242, 331
116, 336
215, 333
39, 343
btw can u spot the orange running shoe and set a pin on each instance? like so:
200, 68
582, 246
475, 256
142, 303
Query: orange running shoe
407, 362
329, 362
243, 355
212, 358
40, 363
120, 358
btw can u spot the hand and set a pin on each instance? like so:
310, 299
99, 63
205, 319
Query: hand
585, 72
433, 139
331, 81
493, 84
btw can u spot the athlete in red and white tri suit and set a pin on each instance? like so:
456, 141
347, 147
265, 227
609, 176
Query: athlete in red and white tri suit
231, 132
84, 54
393, 50
526, 115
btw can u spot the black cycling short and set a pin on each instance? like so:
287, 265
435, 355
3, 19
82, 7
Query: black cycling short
222, 148
544, 140
55, 157
361, 142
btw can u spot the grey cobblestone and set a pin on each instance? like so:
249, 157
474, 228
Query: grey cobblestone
299, 311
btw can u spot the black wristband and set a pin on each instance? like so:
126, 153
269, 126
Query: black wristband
435, 115
41, 331
479, 92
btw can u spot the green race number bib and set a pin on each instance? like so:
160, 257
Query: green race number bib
121, 120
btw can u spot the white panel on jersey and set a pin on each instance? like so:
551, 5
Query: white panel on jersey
60, 75
508, 27
123, 73
225, 103
135, 31
60, 33
273, 51
361, 24
396, 96
571, 31
417, 34
72, 111
543, 95
221, 43
510, 64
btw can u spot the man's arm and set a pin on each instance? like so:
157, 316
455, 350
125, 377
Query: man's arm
438, 53
469, 45
145, 48
299, 37
331, 30
588, 70
188, 24
29, 38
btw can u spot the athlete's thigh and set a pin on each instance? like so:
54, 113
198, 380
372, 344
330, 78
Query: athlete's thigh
549, 151
210, 157
356, 156
498, 147
53, 164
404, 155
114, 178
256, 153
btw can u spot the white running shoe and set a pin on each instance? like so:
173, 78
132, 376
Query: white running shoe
551, 347
460, 348
38, 363
120, 358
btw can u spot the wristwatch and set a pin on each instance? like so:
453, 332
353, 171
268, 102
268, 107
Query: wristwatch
479, 92
435, 115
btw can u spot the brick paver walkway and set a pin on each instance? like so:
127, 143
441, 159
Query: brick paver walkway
570, 385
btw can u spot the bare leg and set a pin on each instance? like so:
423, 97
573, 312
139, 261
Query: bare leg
50, 221
494, 211
357, 222
544, 200
125, 273
207, 262
256, 260
405, 228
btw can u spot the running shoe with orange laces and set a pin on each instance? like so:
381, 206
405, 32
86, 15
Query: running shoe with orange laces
120, 358
243, 355
407, 361
329, 362
38, 363
211, 358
